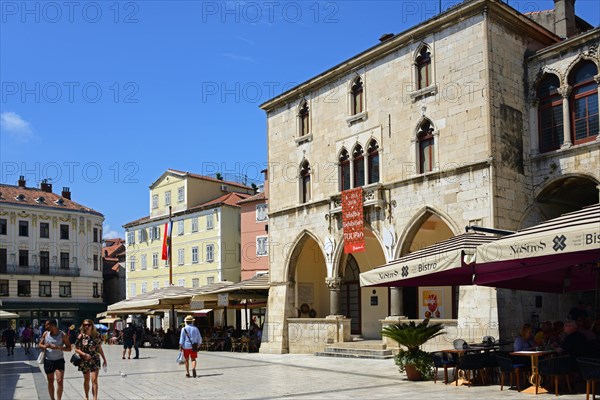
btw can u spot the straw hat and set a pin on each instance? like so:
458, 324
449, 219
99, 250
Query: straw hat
189, 318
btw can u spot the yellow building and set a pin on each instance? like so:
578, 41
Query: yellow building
205, 235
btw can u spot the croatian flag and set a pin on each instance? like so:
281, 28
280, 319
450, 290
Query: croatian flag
166, 247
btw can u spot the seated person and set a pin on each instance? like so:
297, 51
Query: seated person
525, 341
543, 336
575, 343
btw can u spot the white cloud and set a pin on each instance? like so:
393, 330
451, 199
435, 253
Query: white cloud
110, 234
17, 127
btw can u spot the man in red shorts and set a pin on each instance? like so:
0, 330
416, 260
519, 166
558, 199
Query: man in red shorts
189, 342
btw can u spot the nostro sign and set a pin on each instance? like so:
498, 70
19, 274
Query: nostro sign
352, 221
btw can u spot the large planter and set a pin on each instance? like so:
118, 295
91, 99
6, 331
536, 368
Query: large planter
412, 373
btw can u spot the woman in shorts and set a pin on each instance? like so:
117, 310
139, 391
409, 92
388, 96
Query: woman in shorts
54, 343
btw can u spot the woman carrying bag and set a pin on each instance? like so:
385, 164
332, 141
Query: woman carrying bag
54, 343
89, 348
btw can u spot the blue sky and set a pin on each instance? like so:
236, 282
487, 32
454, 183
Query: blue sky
103, 97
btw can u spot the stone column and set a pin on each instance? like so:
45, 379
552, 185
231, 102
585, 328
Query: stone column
334, 294
396, 302
597, 79
565, 91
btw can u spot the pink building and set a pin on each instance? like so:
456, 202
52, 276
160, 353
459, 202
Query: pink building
254, 233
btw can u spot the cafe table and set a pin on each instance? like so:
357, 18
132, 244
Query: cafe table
535, 379
461, 352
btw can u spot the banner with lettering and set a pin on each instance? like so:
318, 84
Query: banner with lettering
352, 221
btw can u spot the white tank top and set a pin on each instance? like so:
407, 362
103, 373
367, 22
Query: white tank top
54, 354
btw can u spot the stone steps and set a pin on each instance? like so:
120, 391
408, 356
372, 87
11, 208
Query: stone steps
358, 349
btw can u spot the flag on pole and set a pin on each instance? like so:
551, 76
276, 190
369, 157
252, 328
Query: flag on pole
166, 247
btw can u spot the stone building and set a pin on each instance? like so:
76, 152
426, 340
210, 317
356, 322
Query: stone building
457, 121
50, 255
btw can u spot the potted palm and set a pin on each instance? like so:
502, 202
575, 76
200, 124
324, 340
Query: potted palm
417, 364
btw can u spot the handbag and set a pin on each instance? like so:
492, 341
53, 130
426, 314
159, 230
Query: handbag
180, 360
75, 359
194, 345
40, 359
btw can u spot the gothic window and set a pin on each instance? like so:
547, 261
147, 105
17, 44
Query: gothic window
550, 114
423, 64
426, 147
584, 102
303, 119
305, 182
357, 96
344, 167
373, 161
358, 161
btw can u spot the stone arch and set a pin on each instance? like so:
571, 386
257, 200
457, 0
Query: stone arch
416, 221
339, 251
420, 123
296, 249
589, 55
418, 49
554, 197
542, 72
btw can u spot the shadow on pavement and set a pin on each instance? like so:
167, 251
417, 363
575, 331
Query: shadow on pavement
9, 377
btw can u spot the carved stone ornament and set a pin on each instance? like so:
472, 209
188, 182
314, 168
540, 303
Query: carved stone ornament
333, 283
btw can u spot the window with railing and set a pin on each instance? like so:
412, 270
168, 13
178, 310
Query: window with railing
64, 260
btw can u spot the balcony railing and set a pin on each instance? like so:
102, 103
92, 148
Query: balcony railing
52, 270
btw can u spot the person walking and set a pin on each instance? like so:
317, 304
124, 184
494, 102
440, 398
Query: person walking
89, 348
9, 337
189, 342
54, 343
128, 339
27, 337
138, 340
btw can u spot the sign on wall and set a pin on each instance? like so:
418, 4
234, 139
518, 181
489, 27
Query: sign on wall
352, 221
435, 302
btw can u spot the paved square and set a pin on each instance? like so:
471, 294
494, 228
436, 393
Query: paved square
239, 376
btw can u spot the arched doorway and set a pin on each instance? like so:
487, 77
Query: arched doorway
350, 295
428, 230
308, 271
366, 306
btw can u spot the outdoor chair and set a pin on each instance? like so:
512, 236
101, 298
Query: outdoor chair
245, 344
555, 367
471, 362
514, 369
590, 372
441, 360
235, 344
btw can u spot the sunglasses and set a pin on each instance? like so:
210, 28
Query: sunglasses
87, 325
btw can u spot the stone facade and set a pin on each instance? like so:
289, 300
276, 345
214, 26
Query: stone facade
483, 170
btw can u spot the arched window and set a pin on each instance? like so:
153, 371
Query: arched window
303, 119
423, 62
426, 149
550, 114
373, 161
356, 95
358, 161
305, 182
584, 102
344, 167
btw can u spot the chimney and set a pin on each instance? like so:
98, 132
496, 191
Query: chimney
21, 181
386, 36
45, 186
66, 193
564, 18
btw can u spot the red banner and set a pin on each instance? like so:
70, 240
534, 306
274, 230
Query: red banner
352, 221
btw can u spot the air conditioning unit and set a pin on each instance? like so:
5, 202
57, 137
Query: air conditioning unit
223, 188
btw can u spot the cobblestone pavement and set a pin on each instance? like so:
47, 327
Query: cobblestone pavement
239, 376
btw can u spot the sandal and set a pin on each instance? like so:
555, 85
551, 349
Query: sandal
187, 375
194, 372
